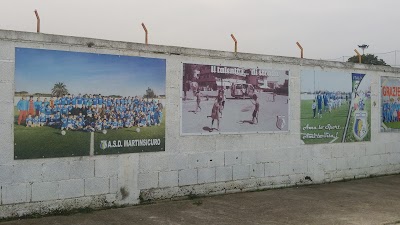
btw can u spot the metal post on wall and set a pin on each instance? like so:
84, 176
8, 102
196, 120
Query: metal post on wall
234, 39
301, 49
359, 55
37, 21
146, 40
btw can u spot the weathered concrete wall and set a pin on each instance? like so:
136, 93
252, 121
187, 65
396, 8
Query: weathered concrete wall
190, 165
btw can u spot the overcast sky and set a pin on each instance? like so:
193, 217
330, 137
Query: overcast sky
326, 29
330, 81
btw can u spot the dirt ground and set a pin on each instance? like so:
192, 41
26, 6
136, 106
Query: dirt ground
236, 115
366, 201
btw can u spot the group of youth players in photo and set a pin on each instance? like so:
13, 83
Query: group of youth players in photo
326, 102
391, 111
90, 112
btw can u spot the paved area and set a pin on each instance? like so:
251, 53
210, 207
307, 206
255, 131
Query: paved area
236, 115
367, 201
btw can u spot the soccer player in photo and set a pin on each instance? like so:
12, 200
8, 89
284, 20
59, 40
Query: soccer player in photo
89, 101
37, 105
29, 121
51, 121
43, 119
106, 124
46, 103
99, 125
117, 101
107, 111
94, 101
361, 104
126, 123
89, 112
56, 109
114, 124
75, 111
35, 121
319, 104
325, 98
161, 115
314, 108
80, 124
51, 102
57, 101
69, 107
22, 107
43, 109
84, 101
64, 122
48, 111
64, 110
83, 110
142, 121
73, 100
398, 114
100, 102
63, 100
57, 117
157, 117
68, 100
198, 100
216, 109
70, 123
148, 119
120, 124
256, 108
31, 108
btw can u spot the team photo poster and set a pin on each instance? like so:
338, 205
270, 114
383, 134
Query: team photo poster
390, 104
233, 100
81, 104
335, 107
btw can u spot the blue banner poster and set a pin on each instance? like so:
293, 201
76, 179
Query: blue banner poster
390, 104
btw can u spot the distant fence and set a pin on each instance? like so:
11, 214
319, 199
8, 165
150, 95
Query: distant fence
392, 58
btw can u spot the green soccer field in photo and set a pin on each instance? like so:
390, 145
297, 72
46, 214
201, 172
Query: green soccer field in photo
393, 125
47, 142
338, 116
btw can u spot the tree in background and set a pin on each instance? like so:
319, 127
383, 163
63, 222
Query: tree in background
368, 59
21, 93
150, 93
59, 89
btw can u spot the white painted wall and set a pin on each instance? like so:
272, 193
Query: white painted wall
202, 165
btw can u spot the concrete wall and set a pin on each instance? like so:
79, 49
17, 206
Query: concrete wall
190, 165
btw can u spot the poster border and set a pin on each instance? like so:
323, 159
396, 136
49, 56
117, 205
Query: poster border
90, 51
334, 143
392, 131
226, 133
